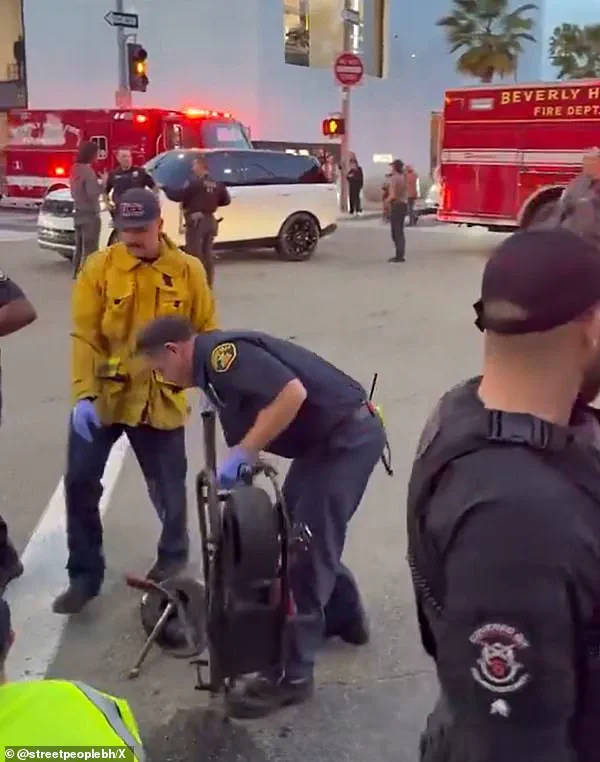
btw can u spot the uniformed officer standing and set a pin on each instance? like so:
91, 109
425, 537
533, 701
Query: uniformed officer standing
118, 291
504, 519
16, 312
123, 178
81, 716
276, 396
200, 198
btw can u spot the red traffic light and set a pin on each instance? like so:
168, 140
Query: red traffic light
333, 127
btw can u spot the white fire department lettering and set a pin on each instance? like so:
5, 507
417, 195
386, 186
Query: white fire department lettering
129, 209
497, 668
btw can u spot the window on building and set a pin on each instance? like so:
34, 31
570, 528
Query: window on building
317, 30
296, 32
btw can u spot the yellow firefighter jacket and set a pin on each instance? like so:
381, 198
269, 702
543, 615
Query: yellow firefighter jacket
114, 296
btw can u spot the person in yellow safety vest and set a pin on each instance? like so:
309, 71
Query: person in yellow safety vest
118, 291
61, 713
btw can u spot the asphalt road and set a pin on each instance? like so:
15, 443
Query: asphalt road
411, 323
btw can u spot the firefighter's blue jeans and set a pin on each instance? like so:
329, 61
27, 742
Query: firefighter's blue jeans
162, 458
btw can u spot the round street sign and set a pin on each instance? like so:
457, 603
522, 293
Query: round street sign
348, 69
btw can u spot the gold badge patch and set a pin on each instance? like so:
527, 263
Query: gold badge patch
223, 356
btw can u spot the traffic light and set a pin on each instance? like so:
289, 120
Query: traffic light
333, 127
138, 67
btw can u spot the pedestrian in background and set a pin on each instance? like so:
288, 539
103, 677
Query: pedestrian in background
355, 184
86, 190
396, 206
413, 192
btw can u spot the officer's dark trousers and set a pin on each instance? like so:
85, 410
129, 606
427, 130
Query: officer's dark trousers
354, 192
162, 458
323, 491
199, 237
397, 218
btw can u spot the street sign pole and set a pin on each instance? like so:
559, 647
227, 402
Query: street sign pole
123, 95
344, 149
345, 143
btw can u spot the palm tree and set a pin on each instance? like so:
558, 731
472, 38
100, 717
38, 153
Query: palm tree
489, 35
575, 51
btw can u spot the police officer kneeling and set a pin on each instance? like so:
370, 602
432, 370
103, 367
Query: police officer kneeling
276, 396
504, 519
61, 713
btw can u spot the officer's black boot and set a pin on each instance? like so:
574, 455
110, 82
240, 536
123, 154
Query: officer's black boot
261, 696
10, 567
75, 597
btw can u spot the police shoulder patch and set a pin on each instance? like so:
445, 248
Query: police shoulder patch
223, 356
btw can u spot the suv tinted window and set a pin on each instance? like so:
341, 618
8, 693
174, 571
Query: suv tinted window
224, 168
174, 168
280, 168
171, 169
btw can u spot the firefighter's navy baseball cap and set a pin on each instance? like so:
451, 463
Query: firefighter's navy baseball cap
5, 628
538, 280
137, 208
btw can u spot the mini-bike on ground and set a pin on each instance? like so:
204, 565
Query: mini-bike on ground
239, 615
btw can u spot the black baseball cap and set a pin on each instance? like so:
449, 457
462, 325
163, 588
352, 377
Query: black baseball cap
136, 208
5, 627
538, 280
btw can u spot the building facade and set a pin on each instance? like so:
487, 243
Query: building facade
269, 62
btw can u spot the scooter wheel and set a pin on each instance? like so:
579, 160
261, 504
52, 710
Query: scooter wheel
191, 594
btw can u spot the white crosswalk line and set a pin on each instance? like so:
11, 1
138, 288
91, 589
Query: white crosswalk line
30, 597
15, 236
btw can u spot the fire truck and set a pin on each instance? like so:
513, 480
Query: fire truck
42, 145
507, 152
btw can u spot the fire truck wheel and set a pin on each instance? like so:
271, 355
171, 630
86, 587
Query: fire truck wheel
298, 237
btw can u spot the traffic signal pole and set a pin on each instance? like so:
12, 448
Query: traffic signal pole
124, 93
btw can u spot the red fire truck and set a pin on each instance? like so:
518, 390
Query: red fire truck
507, 152
42, 145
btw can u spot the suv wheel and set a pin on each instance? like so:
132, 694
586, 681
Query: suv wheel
298, 237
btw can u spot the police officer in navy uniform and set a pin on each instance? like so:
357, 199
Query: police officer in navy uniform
504, 518
200, 198
275, 396
16, 312
125, 177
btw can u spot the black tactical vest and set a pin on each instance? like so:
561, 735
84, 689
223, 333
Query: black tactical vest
459, 426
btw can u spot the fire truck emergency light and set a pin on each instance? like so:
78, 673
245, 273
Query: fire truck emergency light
60, 171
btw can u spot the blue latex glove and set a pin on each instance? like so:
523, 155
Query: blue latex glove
228, 473
85, 416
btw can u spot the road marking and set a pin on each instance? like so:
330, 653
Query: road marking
14, 236
38, 630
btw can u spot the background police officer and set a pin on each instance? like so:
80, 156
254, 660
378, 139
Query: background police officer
276, 396
124, 177
80, 716
200, 198
504, 519
16, 311
117, 292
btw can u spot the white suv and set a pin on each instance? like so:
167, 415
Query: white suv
278, 200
